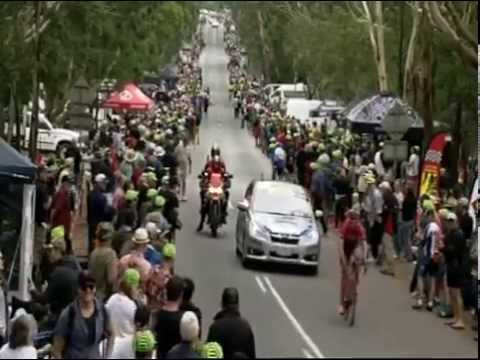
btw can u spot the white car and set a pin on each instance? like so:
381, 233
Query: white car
49, 137
276, 223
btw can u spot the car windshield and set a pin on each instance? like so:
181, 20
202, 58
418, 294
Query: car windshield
294, 94
281, 200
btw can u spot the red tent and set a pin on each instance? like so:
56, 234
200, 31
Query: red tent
130, 98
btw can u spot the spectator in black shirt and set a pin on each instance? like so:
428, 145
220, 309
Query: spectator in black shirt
465, 220
187, 304
167, 324
456, 260
407, 224
170, 210
74, 152
98, 208
230, 329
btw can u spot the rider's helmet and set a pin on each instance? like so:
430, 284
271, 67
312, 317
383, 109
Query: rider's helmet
215, 150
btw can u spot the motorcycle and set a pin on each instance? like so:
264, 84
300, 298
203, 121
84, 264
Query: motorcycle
215, 200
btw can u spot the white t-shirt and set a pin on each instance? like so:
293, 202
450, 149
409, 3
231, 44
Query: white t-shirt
379, 164
123, 348
433, 231
413, 165
280, 154
23, 352
122, 314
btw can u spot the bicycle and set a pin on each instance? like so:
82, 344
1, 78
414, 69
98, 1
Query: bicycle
352, 278
351, 294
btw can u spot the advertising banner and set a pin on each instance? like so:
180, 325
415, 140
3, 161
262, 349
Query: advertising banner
430, 175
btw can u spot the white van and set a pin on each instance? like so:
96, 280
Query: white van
288, 91
300, 109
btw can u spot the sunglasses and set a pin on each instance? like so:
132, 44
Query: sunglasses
87, 287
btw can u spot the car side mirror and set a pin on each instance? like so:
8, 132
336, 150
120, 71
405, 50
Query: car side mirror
243, 205
318, 214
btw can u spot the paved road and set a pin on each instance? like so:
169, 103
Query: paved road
292, 314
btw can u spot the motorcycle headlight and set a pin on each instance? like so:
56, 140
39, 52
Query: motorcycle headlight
215, 191
310, 237
259, 233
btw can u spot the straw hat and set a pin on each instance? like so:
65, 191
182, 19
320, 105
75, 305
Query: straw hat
141, 236
130, 155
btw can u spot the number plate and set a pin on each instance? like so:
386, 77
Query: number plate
283, 251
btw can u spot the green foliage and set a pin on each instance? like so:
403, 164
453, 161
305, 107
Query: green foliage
328, 46
97, 40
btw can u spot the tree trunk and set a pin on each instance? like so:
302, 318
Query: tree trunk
35, 111
375, 30
408, 86
11, 114
2, 121
463, 42
20, 140
382, 65
427, 81
401, 49
265, 50
456, 139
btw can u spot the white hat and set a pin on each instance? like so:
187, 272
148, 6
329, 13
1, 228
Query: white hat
100, 178
141, 236
324, 159
452, 216
189, 327
159, 151
463, 201
385, 185
152, 228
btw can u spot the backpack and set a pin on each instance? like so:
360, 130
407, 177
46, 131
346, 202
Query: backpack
70, 324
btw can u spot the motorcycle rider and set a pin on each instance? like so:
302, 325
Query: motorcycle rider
214, 165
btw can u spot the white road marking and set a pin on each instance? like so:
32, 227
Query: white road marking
316, 352
307, 354
260, 284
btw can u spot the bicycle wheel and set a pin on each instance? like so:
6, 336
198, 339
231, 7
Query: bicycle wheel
346, 308
353, 308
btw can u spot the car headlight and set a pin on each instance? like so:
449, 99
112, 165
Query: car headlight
310, 237
259, 233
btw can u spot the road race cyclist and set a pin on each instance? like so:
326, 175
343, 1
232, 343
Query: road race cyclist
353, 252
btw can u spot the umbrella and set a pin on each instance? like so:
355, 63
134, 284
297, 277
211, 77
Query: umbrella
373, 110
